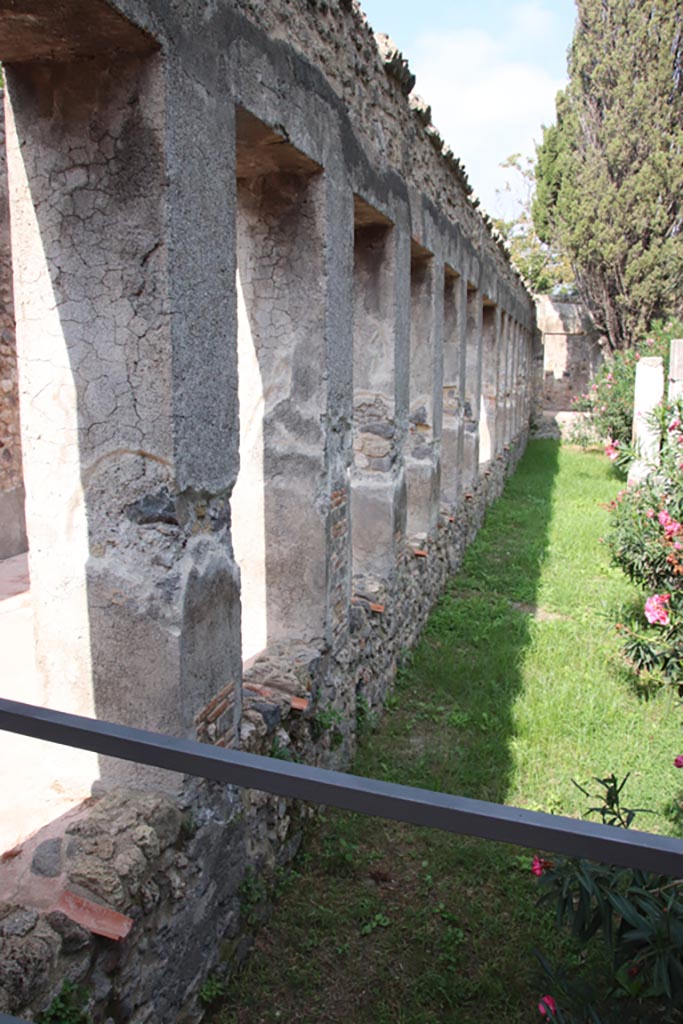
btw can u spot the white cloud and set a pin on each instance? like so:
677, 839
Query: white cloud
532, 21
486, 102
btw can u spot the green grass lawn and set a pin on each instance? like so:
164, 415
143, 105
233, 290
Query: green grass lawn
516, 688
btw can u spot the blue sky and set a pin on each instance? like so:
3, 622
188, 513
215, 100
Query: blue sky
490, 70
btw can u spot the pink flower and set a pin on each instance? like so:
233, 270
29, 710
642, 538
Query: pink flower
655, 610
649, 342
540, 865
612, 450
670, 525
547, 1007
678, 761
677, 545
675, 424
650, 513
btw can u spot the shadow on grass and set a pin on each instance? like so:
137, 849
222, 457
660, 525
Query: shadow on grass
465, 675
384, 923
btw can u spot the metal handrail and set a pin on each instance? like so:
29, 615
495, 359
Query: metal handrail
516, 825
660, 854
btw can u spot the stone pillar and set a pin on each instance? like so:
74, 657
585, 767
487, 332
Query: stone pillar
489, 385
13, 539
122, 188
523, 379
516, 379
473, 356
500, 438
649, 393
675, 390
279, 522
421, 458
374, 480
452, 443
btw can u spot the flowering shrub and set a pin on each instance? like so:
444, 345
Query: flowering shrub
646, 541
639, 917
610, 397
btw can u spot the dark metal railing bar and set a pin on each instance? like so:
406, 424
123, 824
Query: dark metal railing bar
534, 829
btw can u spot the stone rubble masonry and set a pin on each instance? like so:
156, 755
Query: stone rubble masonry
571, 352
12, 520
183, 870
215, 143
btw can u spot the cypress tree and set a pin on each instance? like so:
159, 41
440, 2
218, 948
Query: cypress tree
610, 171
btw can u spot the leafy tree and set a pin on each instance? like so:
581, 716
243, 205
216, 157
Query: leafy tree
540, 264
610, 172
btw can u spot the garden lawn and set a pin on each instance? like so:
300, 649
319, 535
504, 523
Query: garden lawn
516, 688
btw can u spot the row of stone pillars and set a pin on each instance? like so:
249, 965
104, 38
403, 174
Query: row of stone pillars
175, 261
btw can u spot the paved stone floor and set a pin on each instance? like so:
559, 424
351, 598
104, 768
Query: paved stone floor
38, 781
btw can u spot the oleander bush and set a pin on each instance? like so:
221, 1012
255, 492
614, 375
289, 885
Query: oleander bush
609, 400
646, 542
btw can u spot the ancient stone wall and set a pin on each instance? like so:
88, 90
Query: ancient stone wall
188, 879
12, 521
571, 352
288, 366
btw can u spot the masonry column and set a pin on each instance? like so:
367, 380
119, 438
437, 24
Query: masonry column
12, 520
523, 414
422, 453
649, 392
452, 443
500, 439
675, 389
473, 357
122, 192
489, 386
377, 482
514, 381
507, 370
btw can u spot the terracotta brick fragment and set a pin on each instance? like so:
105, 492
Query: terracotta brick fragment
217, 711
260, 689
94, 917
222, 695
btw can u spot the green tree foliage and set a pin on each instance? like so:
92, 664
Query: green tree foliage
541, 265
610, 172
